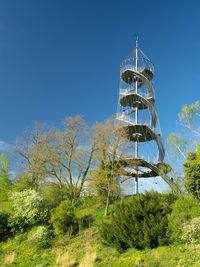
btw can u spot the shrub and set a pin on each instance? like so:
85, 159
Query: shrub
40, 236
29, 208
63, 217
184, 209
4, 227
140, 222
191, 231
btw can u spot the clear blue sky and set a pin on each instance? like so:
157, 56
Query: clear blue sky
62, 58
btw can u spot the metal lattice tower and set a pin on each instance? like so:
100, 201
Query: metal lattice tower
138, 118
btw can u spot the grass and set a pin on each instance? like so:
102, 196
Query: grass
65, 260
86, 249
88, 260
9, 258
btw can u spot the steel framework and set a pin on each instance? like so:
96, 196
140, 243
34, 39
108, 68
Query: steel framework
138, 118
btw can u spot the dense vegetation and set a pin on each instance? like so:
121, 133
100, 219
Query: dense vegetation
65, 206
41, 245
140, 222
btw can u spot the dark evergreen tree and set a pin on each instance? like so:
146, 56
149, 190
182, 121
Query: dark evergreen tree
139, 222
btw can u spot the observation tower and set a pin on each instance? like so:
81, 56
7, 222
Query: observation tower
138, 120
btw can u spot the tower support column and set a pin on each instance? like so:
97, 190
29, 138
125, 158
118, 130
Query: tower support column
136, 118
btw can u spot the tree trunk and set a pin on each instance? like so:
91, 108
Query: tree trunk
107, 203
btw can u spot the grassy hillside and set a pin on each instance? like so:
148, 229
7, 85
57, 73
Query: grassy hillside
64, 252
86, 249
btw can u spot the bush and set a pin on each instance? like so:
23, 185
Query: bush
63, 217
184, 210
191, 231
4, 228
40, 236
29, 208
140, 222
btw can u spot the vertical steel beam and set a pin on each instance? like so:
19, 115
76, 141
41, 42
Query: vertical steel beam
136, 117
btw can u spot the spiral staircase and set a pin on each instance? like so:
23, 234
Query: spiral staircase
136, 95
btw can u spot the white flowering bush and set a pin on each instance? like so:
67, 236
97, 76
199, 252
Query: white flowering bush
40, 236
29, 208
191, 231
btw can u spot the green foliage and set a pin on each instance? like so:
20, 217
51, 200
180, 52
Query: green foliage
90, 211
178, 181
24, 253
5, 181
4, 228
105, 179
85, 211
29, 208
181, 143
192, 172
191, 231
99, 216
184, 209
188, 112
178, 146
164, 169
54, 195
63, 217
23, 182
87, 202
140, 222
40, 236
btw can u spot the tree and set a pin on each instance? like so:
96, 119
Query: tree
53, 194
32, 155
188, 114
62, 157
178, 146
105, 181
192, 172
5, 181
139, 222
111, 149
181, 143
72, 154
